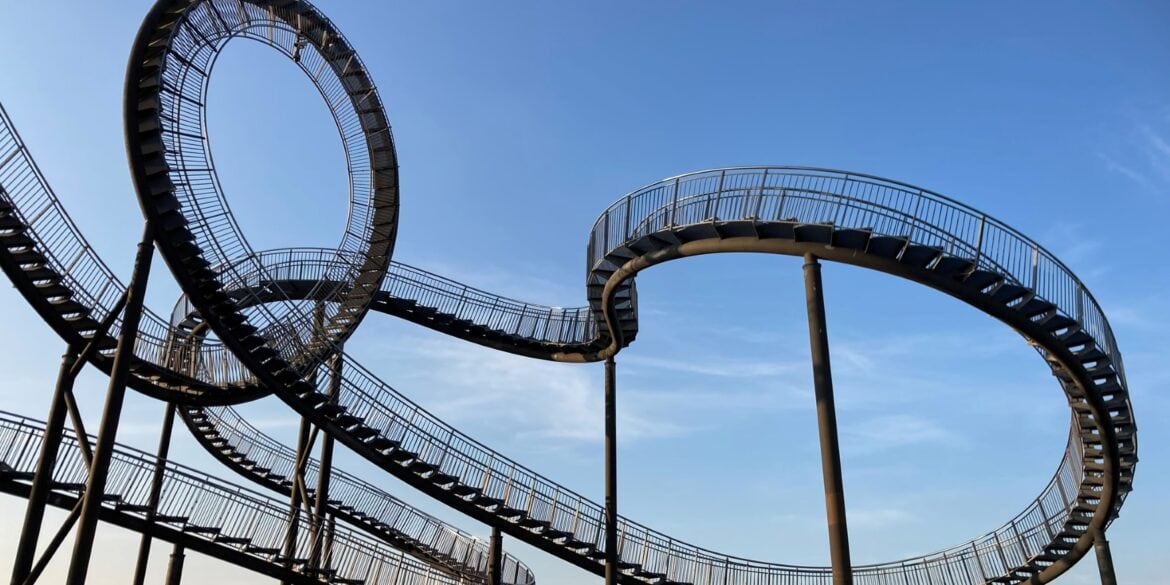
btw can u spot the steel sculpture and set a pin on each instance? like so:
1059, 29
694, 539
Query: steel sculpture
283, 317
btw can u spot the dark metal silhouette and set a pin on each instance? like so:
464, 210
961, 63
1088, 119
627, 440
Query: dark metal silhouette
99, 468
611, 516
818, 333
156, 485
272, 343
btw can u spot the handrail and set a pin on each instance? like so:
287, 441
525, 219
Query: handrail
204, 501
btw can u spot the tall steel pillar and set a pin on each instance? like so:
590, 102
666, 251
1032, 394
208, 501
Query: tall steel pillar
175, 568
38, 496
1104, 558
611, 539
164, 448
321, 543
818, 335
295, 501
91, 500
495, 558
72, 362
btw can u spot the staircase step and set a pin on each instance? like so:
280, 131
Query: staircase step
201, 529
920, 256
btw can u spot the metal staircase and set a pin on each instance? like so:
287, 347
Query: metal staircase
269, 347
206, 514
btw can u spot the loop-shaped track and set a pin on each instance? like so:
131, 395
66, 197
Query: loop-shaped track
851, 218
170, 158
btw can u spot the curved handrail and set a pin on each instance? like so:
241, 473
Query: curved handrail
223, 509
469, 553
208, 368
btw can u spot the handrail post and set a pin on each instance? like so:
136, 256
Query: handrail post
611, 536
91, 500
827, 423
164, 447
979, 240
674, 204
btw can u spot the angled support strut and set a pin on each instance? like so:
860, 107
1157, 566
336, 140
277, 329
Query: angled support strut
818, 334
91, 500
611, 539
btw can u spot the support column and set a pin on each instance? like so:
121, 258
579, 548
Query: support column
1104, 558
164, 448
175, 568
495, 558
321, 544
34, 514
290, 542
611, 546
827, 423
95, 488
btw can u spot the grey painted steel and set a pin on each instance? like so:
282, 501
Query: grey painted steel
818, 336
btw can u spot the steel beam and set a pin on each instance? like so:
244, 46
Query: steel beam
1104, 558
320, 555
34, 514
175, 567
63, 402
295, 501
611, 539
164, 448
818, 335
495, 558
91, 500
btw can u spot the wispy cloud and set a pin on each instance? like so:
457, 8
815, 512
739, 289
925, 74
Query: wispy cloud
726, 368
894, 431
530, 399
1142, 155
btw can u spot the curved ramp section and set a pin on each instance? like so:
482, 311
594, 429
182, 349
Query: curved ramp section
170, 67
75, 292
246, 450
208, 515
843, 217
62, 277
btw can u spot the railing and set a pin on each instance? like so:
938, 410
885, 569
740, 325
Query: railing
307, 38
209, 502
556, 325
82, 271
889, 208
324, 268
522, 489
470, 553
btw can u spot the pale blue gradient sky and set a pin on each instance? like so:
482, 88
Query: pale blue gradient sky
518, 123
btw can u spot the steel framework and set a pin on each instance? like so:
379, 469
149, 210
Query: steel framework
284, 315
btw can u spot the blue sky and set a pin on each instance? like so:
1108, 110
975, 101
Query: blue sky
517, 124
